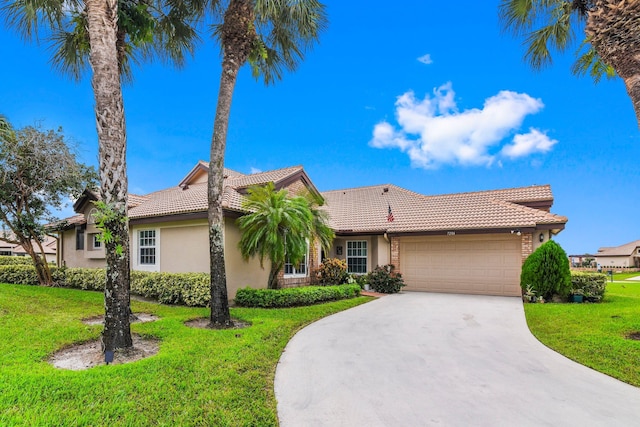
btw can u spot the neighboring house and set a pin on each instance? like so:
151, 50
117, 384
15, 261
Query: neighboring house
49, 245
468, 242
627, 255
586, 260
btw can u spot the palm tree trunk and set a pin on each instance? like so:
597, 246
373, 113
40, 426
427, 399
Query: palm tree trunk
238, 21
273, 275
219, 300
613, 29
102, 27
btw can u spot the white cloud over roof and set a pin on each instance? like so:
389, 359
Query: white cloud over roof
433, 132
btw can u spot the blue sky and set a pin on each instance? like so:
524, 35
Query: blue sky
430, 96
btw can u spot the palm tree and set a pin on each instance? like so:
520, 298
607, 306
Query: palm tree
109, 36
612, 30
280, 228
273, 36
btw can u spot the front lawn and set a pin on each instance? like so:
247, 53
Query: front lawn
595, 335
199, 377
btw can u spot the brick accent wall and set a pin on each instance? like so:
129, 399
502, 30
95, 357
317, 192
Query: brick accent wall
296, 188
527, 245
395, 252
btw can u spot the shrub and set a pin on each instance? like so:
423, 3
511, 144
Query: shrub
546, 272
362, 279
190, 289
332, 271
91, 279
291, 297
15, 260
384, 279
18, 274
591, 285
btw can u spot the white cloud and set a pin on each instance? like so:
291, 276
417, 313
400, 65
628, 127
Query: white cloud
426, 59
254, 170
433, 132
528, 143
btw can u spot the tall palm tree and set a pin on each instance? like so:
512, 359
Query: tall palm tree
280, 228
109, 36
273, 36
612, 30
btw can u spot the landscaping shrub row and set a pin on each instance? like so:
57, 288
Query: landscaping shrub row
191, 289
278, 298
15, 260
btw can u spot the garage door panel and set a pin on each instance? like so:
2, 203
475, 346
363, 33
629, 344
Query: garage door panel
478, 264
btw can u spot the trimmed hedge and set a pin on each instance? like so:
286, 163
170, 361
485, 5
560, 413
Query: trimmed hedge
190, 289
15, 260
591, 285
291, 297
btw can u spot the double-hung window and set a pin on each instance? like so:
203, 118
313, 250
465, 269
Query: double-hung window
147, 247
357, 256
297, 270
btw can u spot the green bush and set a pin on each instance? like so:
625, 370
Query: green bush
591, 285
546, 272
18, 274
291, 297
190, 289
15, 260
385, 280
332, 271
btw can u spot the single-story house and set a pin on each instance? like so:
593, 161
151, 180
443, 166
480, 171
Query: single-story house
466, 243
585, 260
627, 255
49, 246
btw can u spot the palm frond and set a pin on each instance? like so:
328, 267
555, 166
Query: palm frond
589, 62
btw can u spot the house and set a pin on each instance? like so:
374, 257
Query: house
467, 242
627, 255
585, 260
49, 246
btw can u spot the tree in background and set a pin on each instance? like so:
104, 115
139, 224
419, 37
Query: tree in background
280, 228
612, 30
273, 36
38, 172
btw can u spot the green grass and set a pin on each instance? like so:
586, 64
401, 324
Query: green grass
199, 377
595, 334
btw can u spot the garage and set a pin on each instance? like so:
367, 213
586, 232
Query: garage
485, 264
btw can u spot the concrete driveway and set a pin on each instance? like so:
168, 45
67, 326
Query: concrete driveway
419, 359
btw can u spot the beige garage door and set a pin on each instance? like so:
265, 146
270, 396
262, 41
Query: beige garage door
486, 264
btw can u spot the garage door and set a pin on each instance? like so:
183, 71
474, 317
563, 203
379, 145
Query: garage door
486, 264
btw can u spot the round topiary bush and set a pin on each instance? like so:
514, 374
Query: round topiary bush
546, 272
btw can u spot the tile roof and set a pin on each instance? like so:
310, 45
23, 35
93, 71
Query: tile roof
193, 197
49, 244
622, 250
365, 209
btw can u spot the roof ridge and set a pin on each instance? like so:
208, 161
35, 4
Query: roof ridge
363, 188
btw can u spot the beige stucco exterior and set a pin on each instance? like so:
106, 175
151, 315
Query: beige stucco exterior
615, 261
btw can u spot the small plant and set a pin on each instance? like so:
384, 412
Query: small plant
332, 271
592, 285
385, 280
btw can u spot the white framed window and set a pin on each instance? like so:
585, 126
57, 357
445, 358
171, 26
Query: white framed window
96, 242
147, 247
357, 256
297, 270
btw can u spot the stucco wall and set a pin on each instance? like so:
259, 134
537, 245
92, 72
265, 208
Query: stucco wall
378, 249
614, 261
76, 258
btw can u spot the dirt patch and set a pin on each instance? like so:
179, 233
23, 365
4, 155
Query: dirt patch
203, 323
634, 336
140, 318
87, 355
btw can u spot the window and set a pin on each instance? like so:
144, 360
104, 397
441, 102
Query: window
5, 253
298, 270
97, 244
80, 238
357, 257
147, 247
